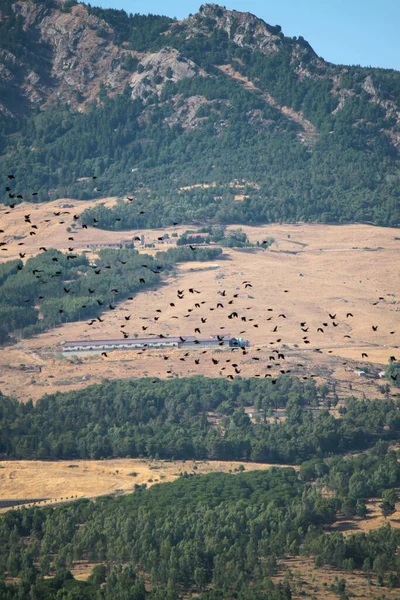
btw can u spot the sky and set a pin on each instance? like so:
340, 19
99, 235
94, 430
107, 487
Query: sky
354, 32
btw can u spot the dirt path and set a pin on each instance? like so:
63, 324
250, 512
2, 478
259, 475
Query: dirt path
309, 135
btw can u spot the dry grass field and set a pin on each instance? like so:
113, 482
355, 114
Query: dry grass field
338, 276
306, 580
310, 271
373, 520
60, 481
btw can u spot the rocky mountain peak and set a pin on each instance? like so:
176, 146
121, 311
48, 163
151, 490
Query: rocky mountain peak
243, 28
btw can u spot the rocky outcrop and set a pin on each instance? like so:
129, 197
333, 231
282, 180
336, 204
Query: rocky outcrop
243, 28
157, 68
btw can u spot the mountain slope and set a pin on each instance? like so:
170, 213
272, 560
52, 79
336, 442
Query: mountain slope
151, 105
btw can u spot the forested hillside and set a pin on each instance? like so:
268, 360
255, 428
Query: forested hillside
171, 420
149, 105
219, 535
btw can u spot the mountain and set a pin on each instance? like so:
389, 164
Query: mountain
155, 107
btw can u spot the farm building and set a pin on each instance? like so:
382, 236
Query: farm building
121, 244
153, 342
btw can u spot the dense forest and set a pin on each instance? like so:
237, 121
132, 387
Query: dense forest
219, 535
347, 171
168, 419
53, 288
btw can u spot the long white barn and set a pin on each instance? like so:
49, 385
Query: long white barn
152, 342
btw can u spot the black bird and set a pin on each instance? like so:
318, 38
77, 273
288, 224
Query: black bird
349, 315
282, 315
215, 361
364, 355
320, 329
91, 291
374, 327
127, 318
141, 280
332, 316
305, 328
197, 330
104, 354
11, 176
335, 324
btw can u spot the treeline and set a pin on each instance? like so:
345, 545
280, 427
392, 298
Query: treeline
234, 238
54, 288
168, 419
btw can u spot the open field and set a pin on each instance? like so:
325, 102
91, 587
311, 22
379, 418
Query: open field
306, 580
60, 481
310, 271
54, 234
373, 520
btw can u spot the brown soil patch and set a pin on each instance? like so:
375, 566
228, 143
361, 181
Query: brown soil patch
326, 269
308, 581
61, 481
374, 520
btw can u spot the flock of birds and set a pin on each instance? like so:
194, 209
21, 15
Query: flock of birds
226, 302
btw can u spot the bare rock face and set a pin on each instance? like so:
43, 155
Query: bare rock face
77, 56
159, 67
244, 29
81, 59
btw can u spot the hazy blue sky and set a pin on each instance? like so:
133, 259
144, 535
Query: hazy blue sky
364, 32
